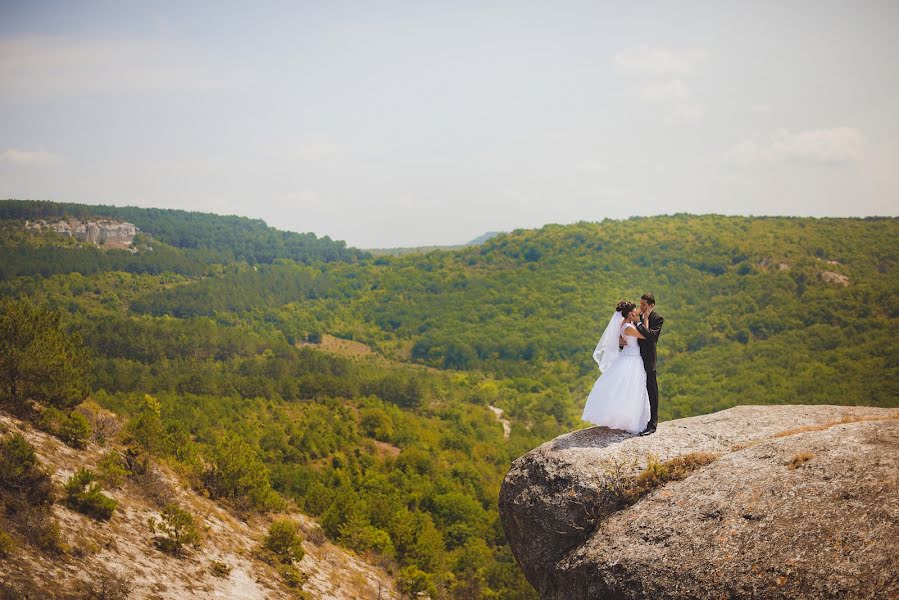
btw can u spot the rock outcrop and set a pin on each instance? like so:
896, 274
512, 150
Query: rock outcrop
796, 502
95, 231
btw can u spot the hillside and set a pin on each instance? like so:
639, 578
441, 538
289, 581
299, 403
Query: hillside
208, 237
367, 390
116, 558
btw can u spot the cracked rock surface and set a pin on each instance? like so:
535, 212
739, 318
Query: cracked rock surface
802, 502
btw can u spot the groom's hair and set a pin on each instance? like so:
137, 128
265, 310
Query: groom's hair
650, 299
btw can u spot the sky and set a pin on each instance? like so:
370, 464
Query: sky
422, 123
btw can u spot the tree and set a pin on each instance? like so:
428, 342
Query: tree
236, 472
145, 429
39, 360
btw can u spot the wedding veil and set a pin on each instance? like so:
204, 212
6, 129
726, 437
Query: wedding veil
607, 349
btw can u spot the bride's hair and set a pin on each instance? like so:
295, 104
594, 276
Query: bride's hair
625, 308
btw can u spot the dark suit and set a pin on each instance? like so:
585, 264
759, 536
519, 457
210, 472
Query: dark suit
648, 353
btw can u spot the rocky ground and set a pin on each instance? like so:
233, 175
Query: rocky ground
798, 502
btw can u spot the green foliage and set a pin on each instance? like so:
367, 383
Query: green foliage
357, 533
84, 494
220, 569
39, 360
27, 495
376, 423
72, 427
22, 480
414, 581
112, 469
236, 473
284, 541
7, 545
248, 289
145, 430
293, 577
177, 529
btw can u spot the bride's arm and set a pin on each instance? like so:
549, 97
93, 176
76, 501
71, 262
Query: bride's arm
632, 331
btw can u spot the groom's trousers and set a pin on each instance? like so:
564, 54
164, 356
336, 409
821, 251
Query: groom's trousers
652, 386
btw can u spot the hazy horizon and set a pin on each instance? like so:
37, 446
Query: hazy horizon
413, 124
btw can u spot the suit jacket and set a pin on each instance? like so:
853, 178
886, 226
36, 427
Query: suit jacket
648, 346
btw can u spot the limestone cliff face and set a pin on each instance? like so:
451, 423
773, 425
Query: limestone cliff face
94, 231
797, 502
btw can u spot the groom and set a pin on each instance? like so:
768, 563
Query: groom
650, 326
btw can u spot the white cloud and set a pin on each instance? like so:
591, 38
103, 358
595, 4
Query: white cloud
675, 95
43, 66
837, 145
659, 61
26, 158
759, 108
667, 68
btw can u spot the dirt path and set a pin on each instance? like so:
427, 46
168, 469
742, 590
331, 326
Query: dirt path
507, 425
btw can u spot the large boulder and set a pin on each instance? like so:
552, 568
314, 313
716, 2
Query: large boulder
794, 502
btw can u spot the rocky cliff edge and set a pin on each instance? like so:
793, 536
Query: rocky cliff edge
750, 502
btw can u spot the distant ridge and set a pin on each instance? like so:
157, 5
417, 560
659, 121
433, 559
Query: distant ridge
424, 249
227, 238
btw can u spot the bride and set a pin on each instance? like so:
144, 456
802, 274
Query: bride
619, 399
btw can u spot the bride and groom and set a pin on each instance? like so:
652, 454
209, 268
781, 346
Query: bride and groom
626, 395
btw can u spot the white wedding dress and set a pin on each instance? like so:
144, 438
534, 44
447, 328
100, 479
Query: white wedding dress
619, 399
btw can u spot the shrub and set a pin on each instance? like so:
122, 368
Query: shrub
177, 528
220, 569
26, 494
6, 544
22, 480
283, 541
72, 428
800, 459
104, 586
142, 472
658, 473
104, 424
293, 577
40, 529
112, 469
376, 423
84, 494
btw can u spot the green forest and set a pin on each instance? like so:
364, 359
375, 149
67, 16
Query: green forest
211, 340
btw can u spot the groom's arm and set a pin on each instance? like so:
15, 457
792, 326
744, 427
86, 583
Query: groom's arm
652, 332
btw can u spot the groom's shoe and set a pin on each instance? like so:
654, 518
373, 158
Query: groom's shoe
650, 429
